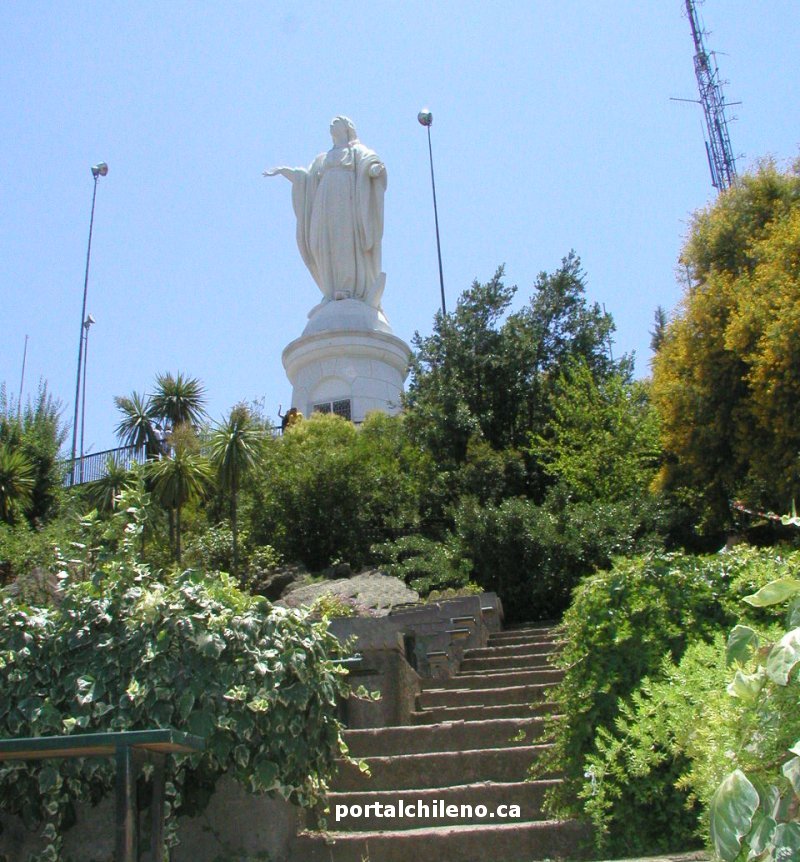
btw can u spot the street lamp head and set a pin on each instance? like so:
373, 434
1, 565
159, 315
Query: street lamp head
88, 322
99, 170
425, 117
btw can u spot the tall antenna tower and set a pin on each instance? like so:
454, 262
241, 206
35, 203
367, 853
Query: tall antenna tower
718, 144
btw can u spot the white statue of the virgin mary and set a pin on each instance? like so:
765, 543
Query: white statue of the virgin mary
338, 202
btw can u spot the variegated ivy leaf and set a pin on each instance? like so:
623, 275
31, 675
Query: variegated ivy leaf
783, 657
747, 686
786, 842
761, 835
732, 809
742, 642
774, 593
791, 769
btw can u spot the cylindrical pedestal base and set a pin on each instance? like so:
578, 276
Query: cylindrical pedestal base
349, 372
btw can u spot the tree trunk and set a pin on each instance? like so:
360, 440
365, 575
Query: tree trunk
235, 526
178, 534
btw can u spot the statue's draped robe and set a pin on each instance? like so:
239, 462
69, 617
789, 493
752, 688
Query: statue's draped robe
339, 210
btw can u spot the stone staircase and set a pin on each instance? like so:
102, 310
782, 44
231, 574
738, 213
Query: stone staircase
471, 741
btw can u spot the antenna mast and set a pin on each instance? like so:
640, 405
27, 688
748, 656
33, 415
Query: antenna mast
718, 146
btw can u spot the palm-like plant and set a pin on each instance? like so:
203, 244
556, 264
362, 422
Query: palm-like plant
103, 492
137, 426
178, 400
235, 448
17, 482
179, 479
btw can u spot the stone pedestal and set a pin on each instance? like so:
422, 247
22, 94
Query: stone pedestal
347, 360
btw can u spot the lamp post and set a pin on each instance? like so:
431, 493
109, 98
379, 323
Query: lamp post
86, 326
99, 170
425, 118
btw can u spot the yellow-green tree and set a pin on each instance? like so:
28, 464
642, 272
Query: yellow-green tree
726, 380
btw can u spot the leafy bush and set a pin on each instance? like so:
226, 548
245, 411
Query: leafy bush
23, 549
124, 651
212, 551
470, 589
649, 730
424, 564
641, 787
36, 433
601, 442
331, 491
668, 758
620, 625
533, 556
756, 808
331, 606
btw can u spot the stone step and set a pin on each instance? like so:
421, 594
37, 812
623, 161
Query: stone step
522, 636
532, 624
506, 662
437, 769
529, 693
506, 842
534, 648
446, 736
432, 807
479, 712
502, 679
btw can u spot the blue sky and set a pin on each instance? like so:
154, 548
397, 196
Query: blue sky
553, 130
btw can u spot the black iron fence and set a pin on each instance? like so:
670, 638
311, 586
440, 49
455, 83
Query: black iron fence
92, 467
95, 466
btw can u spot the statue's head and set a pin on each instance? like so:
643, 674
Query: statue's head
347, 126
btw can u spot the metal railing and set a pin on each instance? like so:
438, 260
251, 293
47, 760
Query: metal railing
92, 467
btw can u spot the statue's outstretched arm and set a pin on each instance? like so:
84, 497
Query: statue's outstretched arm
291, 174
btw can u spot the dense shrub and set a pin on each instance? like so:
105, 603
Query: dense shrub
124, 651
212, 551
655, 773
424, 564
36, 433
628, 710
22, 549
635, 787
330, 491
533, 556
617, 630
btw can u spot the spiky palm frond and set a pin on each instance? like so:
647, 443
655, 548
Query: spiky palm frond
103, 492
17, 482
178, 400
137, 426
236, 445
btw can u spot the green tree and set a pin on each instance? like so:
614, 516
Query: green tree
17, 482
235, 445
487, 372
176, 480
178, 400
138, 424
601, 442
38, 433
659, 329
103, 492
330, 491
725, 380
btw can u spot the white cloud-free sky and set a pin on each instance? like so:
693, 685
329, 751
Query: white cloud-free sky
553, 130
